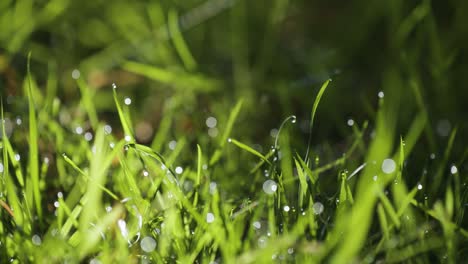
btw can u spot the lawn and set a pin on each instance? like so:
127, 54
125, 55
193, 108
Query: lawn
233, 131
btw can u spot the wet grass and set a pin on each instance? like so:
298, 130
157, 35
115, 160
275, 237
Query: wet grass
112, 199
211, 132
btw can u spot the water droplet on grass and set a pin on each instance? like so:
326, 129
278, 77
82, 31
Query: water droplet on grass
1, 167
36, 240
213, 187
211, 122
128, 138
114, 86
213, 132
107, 129
123, 227
432, 156
350, 122
172, 144
60, 195
286, 208
229, 140
78, 130
290, 251
19, 121
148, 244
453, 169
257, 225
318, 208
270, 187
56, 204
381, 94
179, 170
94, 261
145, 173
420, 186
88, 136
293, 119
17, 157
76, 74
375, 178
388, 166
128, 101
210, 218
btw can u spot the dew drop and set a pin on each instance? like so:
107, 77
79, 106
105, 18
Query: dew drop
257, 225
145, 173
1, 168
213, 132
381, 94
286, 208
128, 101
128, 138
75, 74
36, 240
210, 218
123, 227
88, 136
375, 178
172, 144
148, 244
17, 157
78, 130
179, 170
114, 86
420, 186
294, 119
270, 187
229, 140
318, 208
211, 122
453, 169
388, 166
350, 122
107, 129
290, 251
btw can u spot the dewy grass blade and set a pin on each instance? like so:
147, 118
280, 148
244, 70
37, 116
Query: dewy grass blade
123, 119
33, 145
248, 149
312, 115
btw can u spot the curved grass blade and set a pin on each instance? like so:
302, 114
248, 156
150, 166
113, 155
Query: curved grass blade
314, 110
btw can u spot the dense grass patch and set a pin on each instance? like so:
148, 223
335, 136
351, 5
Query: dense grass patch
233, 132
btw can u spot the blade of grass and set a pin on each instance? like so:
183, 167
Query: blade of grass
248, 149
312, 115
179, 43
33, 145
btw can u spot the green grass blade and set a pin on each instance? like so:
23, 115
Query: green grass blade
33, 145
123, 120
179, 43
227, 131
313, 112
87, 99
248, 149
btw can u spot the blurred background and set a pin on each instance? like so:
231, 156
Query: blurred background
184, 61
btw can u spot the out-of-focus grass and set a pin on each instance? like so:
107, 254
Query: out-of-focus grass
182, 131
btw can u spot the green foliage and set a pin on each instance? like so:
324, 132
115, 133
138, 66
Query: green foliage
210, 132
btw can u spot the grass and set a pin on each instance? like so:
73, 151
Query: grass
126, 201
212, 132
